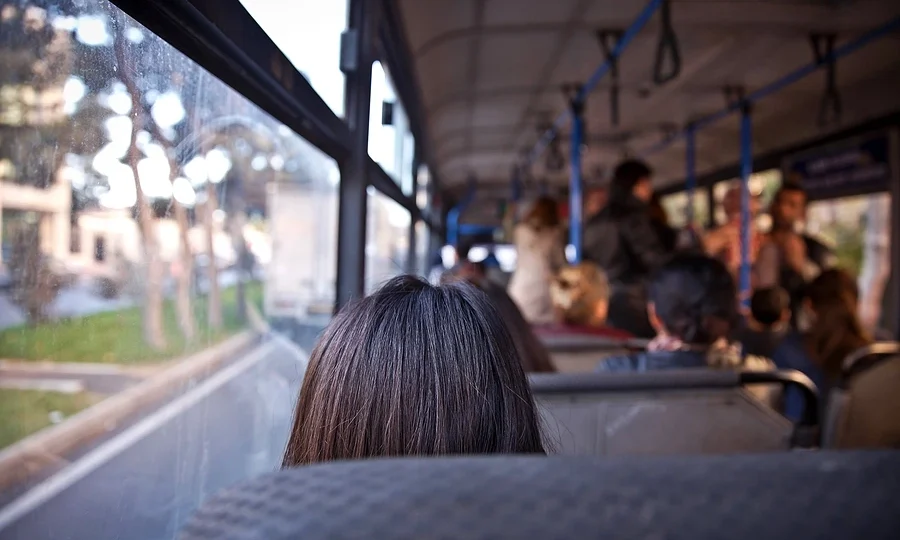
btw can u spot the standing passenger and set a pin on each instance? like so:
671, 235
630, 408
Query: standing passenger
724, 242
624, 241
540, 252
414, 370
789, 258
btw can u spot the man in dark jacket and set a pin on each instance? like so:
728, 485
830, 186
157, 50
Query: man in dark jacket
623, 240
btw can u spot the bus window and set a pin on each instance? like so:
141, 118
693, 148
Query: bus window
858, 228
675, 206
387, 239
196, 214
423, 236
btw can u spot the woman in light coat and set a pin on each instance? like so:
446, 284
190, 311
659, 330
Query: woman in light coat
540, 250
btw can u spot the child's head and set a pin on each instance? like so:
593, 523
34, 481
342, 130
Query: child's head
770, 306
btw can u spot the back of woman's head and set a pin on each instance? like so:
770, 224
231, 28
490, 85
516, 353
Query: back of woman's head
695, 298
414, 370
837, 330
532, 353
543, 214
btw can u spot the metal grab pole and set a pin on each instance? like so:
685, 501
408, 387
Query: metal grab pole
746, 171
575, 184
691, 172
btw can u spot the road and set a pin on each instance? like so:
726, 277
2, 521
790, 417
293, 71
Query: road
143, 483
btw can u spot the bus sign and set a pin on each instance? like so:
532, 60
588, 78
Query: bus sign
852, 167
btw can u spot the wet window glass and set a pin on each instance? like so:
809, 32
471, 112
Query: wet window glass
154, 222
387, 239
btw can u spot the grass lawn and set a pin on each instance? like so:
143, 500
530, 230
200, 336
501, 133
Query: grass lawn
23, 412
117, 337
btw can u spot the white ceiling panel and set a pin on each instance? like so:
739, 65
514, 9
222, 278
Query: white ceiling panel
502, 64
489, 80
520, 12
431, 20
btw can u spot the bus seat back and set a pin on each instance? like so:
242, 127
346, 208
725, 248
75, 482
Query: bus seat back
656, 413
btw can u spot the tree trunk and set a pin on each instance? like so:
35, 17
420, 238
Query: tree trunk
183, 294
214, 305
153, 282
183, 308
238, 219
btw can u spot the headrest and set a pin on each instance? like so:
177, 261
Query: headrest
786, 495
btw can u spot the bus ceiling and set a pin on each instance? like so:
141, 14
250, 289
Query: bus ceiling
501, 79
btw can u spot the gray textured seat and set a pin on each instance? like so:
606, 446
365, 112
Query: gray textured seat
861, 411
809, 495
668, 412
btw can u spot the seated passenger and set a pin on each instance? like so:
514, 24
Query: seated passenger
771, 315
414, 370
534, 356
830, 330
580, 296
693, 307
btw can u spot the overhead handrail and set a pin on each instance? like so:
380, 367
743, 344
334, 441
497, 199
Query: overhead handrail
848, 48
594, 79
830, 108
608, 39
668, 43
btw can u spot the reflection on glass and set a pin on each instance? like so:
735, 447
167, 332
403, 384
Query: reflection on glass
140, 229
387, 239
309, 34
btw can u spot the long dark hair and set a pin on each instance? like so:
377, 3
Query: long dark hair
837, 331
414, 369
695, 298
532, 353
625, 178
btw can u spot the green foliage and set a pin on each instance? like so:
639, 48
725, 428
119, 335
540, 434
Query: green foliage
24, 412
116, 337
